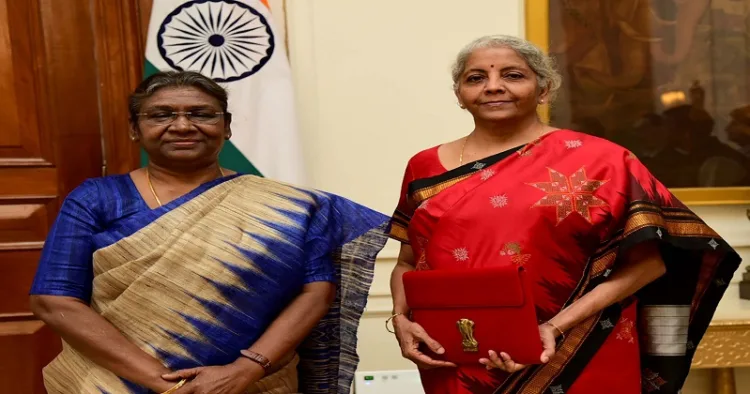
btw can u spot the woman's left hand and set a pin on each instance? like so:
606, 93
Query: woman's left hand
232, 378
503, 361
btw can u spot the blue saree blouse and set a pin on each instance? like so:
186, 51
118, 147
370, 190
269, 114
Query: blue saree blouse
94, 216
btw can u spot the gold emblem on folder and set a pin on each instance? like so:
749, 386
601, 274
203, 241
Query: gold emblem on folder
466, 328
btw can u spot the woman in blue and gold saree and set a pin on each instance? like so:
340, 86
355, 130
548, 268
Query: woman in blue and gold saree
237, 285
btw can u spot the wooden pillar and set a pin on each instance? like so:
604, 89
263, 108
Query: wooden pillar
723, 381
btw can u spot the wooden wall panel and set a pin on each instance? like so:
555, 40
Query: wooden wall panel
18, 267
22, 142
144, 17
8, 115
24, 221
66, 69
72, 90
120, 53
51, 123
28, 181
28, 345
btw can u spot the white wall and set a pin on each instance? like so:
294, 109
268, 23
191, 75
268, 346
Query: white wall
373, 86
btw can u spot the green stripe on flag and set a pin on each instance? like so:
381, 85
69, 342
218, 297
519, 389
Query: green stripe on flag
230, 157
149, 70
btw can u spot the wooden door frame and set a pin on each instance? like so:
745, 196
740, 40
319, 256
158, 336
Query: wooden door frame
53, 85
144, 17
120, 28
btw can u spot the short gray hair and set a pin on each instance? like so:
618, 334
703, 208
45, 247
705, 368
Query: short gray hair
175, 79
542, 65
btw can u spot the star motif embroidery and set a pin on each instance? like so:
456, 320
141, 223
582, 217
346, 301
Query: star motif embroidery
486, 174
626, 331
659, 233
570, 194
422, 259
526, 150
478, 166
573, 144
557, 389
422, 263
461, 254
513, 249
606, 324
652, 381
499, 201
712, 243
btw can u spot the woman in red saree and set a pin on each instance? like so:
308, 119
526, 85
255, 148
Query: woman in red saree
626, 278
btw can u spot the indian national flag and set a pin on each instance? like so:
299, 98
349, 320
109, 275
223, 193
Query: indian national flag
236, 43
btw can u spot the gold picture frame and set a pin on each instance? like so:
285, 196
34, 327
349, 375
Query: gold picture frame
536, 15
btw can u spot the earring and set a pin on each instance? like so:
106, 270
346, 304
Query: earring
541, 101
461, 105
132, 138
229, 135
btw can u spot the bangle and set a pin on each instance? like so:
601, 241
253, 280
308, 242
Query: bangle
390, 319
176, 387
562, 334
258, 358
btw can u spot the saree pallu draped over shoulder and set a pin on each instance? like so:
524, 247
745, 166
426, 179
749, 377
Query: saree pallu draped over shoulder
566, 207
203, 281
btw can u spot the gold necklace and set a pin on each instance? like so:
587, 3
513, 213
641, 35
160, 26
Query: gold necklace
151, 185
461, 156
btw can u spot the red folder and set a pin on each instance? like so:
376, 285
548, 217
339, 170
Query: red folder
472, 311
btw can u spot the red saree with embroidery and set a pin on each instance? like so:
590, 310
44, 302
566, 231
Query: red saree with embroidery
565, 207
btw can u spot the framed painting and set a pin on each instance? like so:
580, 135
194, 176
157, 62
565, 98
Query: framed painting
667, 79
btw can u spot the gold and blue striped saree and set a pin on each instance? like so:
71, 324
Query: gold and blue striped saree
194, 282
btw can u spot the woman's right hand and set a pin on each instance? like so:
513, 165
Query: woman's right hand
409, 336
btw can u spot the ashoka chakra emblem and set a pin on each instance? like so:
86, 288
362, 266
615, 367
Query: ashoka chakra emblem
226, 40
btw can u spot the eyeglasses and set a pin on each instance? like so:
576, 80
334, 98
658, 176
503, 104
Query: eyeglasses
161, 118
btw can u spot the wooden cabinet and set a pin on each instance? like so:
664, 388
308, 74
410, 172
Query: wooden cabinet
66, 68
